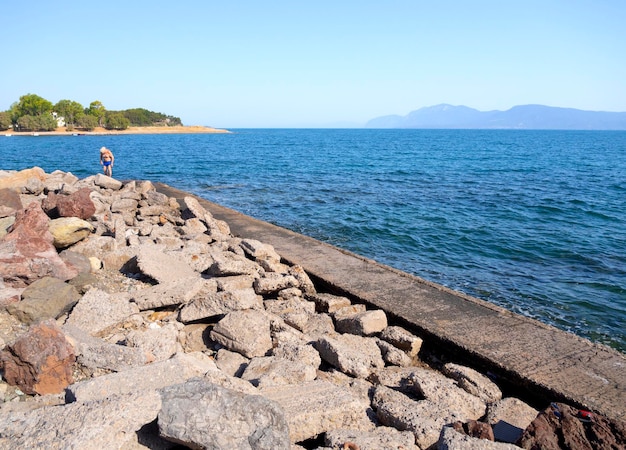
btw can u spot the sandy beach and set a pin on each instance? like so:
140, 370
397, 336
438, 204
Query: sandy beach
99, 131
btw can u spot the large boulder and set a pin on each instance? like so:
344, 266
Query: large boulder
246, 332
67, 231
113, 422
19, 179
46, 298
77, 204
27, 252
561, 426
40, 361
199, 414
10, 202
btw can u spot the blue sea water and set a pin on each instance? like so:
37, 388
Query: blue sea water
534, 221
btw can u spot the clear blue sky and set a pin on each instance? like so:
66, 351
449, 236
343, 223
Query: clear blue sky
236, 64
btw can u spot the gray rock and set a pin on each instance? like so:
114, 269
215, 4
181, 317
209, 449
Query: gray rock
193, 228
235, 282
153, 197
216, 228
163, 266
171, 293
98, 310
379, 438
199, 414
141, 379
316, 407
194, 337
103, 181
450, 439
231, 264
231, 363
298, 351
328, 303
473, 382
196, 253
446, 394
246, 332
509, 417
304, 281
160, 342
355, 355
96, 354
236, 384
196, 208
423, 418
442, 402
393, 355
45, 298
271, 283
362, 324
294, 311
209, 304
259, 251
318, 325
273, 371
5, 223
401, 338
112, 422
349, 310
33, 186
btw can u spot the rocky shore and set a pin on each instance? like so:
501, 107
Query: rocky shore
131, 320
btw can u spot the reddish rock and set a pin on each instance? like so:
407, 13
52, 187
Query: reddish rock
77, 204
10, 202
475, 429
32, 221
27, 252
40, 361
49, 205
562, 427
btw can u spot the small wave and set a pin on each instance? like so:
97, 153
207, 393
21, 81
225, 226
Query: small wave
221, 187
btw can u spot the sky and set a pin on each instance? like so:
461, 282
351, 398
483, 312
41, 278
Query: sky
283, 64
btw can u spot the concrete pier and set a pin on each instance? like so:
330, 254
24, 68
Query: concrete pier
540, 359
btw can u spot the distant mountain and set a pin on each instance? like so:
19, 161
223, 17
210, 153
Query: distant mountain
528, 117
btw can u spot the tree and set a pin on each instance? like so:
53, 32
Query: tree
86, 122
70, 110
5, 120
97, 109
116, 121
32, 105
42, 122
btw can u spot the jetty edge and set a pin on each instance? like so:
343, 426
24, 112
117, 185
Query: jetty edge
546, 363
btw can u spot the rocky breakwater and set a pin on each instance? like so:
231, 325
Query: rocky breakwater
129, 320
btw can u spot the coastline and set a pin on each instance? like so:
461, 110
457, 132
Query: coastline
99, 131
319, 303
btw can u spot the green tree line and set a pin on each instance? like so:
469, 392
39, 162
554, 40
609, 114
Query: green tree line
35, 113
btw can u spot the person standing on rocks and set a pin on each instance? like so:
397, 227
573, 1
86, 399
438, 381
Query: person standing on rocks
106, 160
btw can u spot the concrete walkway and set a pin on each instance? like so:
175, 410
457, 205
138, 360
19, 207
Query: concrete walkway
538, 358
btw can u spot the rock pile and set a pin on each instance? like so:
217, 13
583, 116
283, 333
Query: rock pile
132, 321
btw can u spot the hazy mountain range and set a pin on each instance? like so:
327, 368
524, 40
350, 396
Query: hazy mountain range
530, 117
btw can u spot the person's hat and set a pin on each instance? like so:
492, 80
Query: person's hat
103, 149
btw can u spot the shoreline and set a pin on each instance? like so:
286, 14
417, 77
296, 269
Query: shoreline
99, 131
333, 340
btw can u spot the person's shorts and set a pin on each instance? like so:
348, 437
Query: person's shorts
107, 163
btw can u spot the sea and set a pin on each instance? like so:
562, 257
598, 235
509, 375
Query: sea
533, 221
